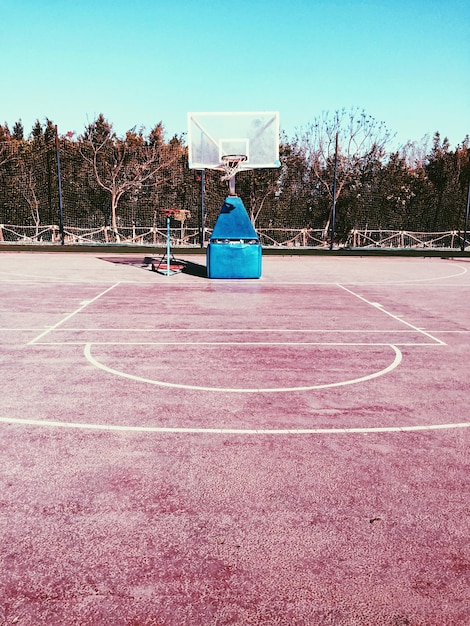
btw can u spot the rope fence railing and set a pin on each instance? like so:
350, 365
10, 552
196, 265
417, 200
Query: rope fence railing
404, 239
191, 237
152, 236
292, 237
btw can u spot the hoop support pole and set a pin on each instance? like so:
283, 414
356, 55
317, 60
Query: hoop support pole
168, 245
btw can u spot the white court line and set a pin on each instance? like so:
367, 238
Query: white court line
320, 344
252, 331
233, 431
392, 315
109, 370
228, 331
70, 315
348, 344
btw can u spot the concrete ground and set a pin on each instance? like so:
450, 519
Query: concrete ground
182, 451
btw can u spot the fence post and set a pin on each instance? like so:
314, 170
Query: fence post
466, 220
333, 209
59, 183
203, 216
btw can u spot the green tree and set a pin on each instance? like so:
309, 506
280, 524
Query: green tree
448, 173
8, 156
18, 131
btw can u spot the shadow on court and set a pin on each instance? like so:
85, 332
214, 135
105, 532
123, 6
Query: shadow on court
188, 267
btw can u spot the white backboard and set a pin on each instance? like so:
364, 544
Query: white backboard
214, 135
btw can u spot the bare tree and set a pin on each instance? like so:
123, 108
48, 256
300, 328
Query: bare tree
124, 165
259, 187
415, 153
28, 187
6, 153
360, 139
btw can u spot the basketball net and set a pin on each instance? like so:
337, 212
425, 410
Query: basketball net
231, 164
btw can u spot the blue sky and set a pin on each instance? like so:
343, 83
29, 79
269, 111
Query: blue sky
144, 61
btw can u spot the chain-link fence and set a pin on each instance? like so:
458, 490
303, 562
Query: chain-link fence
81, 191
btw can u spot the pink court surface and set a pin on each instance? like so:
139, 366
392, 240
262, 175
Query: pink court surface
292, 450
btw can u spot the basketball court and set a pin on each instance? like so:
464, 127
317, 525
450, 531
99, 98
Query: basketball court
288, 450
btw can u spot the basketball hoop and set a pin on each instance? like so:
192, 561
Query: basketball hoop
231, 164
